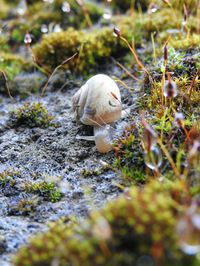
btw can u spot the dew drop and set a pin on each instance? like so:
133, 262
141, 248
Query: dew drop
178, 119
22, 7
190, 249
66, 7
48, 1
57, 28
153, 8
44, 28
107, 14
188, 230
153, 158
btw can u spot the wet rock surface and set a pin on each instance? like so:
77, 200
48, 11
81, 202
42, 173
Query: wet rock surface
53, 155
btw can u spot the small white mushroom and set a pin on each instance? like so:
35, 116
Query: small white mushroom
98, 103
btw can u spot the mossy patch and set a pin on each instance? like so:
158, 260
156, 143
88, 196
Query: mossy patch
47, 190
31, 115
141, 222
129, 157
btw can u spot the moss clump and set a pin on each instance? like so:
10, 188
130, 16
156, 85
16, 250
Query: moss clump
4, 9
47, 190
96, 47
31, 115
192, 5
8, 178
128, 4
12, 64
139, 223
186, 43
57, 47
129, 156
39, 14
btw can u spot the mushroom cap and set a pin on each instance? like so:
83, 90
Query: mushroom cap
98, 101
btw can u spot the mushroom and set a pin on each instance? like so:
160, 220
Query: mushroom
98, 103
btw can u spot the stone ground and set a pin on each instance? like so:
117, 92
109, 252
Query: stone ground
53, 154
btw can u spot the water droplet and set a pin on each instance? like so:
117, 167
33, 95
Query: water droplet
178, 119
22, 7
57, 28
196, 221
184, 22
190, 249
153, 158
66, 7
44, 28
149, 137
48, 1
188, 230
153, 8
27, 39
107, 14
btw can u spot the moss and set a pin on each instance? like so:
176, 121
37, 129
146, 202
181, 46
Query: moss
129, 156
31, 115
128, 4
12, 64
4, 9
51, 15
96, 47
57, 47
47, 190
186, 43
4, 43
140, 222
8, 178
192, 5
95, 172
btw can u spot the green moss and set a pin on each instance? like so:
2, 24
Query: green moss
4, 43
51, 15
142, 222
8, 178
129, 156
4, 9
31, 115
95, 172
192, 5
129, 4
57, 47
186, 43
47, 190
12, 64
96, 47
